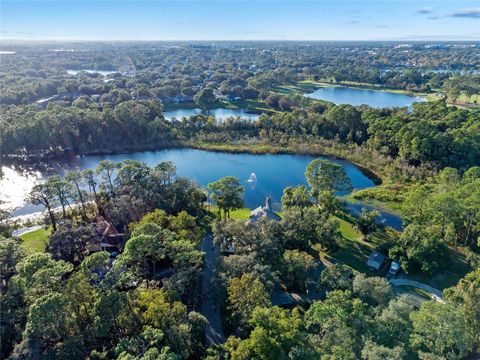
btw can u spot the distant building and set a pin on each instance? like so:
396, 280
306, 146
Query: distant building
375, 261
263, 212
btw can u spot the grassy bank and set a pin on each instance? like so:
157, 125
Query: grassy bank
35, 241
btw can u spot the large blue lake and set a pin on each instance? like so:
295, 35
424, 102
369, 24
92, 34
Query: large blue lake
274, 172
355, 96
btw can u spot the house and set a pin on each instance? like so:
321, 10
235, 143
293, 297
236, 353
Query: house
376, 261
107, 237
263, 212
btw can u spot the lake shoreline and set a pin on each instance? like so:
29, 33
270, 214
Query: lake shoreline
372, 87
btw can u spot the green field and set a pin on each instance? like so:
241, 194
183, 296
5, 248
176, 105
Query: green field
36, 241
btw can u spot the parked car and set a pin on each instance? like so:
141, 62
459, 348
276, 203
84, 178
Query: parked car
394, 268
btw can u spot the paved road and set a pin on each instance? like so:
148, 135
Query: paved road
402, 281
209, 308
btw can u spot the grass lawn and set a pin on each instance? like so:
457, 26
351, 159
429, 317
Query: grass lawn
354, 250
240, 214
465, 99
36, 241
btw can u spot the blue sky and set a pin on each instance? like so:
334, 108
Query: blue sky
240, 20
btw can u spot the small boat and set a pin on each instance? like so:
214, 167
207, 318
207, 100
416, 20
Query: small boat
252, 178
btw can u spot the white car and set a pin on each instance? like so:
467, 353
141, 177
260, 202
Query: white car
394, 268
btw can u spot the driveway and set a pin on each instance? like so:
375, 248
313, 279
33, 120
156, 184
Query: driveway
438, 294
209, 309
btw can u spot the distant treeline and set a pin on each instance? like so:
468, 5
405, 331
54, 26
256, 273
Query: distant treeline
431, 135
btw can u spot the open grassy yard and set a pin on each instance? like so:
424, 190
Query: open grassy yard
240, 214
36, 241
354, 252
472, 99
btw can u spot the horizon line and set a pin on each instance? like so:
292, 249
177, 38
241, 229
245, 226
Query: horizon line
238, 40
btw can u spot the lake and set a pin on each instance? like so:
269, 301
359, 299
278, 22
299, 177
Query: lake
274, 172
354, 96
220, 114
101, 72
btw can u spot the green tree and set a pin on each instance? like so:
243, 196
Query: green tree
43, 194
420, 249
11, 253
62, 190
277, 335
204, 97
143, 251
303, 228
374, 351
47, 320
392, 327
335, 324
106, 170
181, 330
71, 243
244, 295
366, 222
39, 275
336, 277
75, 178
466, 296
324, 175
373, 290
440, 330
296, 197
91, 180
297, 264
227, 193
